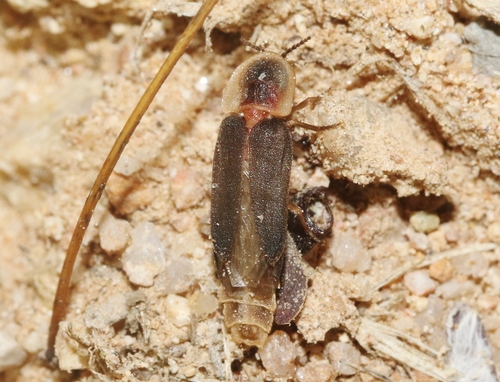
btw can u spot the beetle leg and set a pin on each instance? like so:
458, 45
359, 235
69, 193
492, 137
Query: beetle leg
306, 224
292, 292
305, 229
310, 101
294, 123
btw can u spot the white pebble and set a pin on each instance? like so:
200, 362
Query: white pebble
11, 354
114, 235
144, 259
342, 355
348, 254
178, 310
278, 355
419, 283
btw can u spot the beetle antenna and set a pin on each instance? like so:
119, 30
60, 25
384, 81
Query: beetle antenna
252, 45
295, 46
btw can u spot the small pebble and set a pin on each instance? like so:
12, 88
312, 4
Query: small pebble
424, 221
189, 372
454, 289
419, 283
178, 310
348, 254
474, 265
11, 354
278, 355
487, 302
420, 27
342, 355
441, 270
493, 232
144, 259
186, 189
437, 240
451, 234
202, 305
114, 235
403, 323
320, 371
128, 165
418, 240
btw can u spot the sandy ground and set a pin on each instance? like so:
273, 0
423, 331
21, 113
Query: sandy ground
412, 167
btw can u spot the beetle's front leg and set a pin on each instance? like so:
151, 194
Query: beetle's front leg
310, 102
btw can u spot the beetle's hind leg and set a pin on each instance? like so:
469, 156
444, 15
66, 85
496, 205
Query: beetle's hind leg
310, 220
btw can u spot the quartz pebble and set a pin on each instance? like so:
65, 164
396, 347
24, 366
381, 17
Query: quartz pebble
348, 254
11, 354
278, 355
342, 355
144, 259
419, 283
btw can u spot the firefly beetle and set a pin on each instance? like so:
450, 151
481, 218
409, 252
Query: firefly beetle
254, 254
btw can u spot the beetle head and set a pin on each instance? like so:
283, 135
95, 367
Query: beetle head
264, 82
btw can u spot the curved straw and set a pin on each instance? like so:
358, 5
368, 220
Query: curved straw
62, 295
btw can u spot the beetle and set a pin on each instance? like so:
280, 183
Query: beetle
254, 254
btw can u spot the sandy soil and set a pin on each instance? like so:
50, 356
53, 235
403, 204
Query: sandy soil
411, 163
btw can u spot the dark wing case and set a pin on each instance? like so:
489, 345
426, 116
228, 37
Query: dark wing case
270, 160
226, 186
